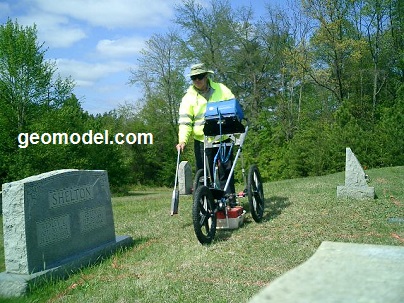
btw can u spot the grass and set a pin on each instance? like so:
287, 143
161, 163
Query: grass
167, 263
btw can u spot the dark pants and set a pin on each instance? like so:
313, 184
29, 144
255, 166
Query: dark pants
224, 168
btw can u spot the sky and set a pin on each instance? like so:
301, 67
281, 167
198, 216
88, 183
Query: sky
97, 42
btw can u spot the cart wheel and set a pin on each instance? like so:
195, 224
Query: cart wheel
203, 215
198, 180
255, 190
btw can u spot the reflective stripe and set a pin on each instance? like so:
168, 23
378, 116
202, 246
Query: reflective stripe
199, 123
185, 123
200, 116
185, 119
190, 117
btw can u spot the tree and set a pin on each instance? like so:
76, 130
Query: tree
26, 77
209, 33
333, 44
160, 74
29, 88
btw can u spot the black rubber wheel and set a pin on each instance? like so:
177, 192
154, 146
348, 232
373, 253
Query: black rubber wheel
198, 180
203, 216
255, 192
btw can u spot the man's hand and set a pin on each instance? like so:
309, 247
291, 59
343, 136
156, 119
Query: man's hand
180, 146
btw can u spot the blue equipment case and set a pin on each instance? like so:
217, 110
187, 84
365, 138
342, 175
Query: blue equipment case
223, 117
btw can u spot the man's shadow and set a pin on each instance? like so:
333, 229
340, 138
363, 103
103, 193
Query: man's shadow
274, 206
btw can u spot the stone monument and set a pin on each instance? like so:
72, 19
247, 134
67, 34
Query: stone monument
185, 178
356, 181
55, 223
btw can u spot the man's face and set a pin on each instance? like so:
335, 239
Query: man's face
200, 81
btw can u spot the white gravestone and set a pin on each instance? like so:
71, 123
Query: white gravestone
356, 186
185, 178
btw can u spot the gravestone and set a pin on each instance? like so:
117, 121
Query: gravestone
185, 178
356, 186
54, 223
1, 202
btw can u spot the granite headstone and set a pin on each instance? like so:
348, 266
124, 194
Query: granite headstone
53, 220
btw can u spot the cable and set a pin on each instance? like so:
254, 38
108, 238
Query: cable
221, 152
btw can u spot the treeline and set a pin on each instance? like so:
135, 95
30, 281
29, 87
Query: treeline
313, 78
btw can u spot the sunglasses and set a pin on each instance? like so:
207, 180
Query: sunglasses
199, 77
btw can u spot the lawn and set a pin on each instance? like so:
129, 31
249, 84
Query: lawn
168, 264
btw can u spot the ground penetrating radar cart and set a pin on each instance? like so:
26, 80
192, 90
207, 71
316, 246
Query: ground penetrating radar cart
213, 207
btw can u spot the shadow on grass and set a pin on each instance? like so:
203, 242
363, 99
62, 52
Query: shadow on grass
223, 234
73, 265
188, 224
274, 206
140, 241
139, 193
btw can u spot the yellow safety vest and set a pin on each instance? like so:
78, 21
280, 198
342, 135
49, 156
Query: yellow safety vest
193, 108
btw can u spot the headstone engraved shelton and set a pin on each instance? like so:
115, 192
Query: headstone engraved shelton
356, 186
54, 223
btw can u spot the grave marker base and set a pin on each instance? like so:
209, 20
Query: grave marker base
15, 285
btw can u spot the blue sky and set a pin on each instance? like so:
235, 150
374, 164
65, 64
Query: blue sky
96, 42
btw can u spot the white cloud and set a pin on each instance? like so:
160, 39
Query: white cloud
63, 23
120, 47
54, 30
105, 97
87, 38
112, 14
88, 74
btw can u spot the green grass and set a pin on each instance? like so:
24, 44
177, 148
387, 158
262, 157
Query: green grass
167, 263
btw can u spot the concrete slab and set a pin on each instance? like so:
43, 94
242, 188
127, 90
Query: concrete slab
342, 272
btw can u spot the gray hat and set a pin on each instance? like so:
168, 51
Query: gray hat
198, 69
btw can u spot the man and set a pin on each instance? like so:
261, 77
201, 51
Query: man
191, 118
